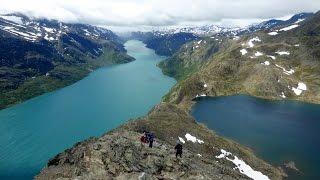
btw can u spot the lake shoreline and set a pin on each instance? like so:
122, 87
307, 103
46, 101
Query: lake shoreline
37, 129
289, 122
55, 84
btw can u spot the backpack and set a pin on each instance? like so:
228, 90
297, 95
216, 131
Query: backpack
144, 139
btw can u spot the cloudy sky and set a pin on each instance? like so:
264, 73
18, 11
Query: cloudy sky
141, 13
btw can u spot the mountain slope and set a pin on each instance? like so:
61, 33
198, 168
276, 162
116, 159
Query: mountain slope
280, 65
39, 55
273, 23
163, 43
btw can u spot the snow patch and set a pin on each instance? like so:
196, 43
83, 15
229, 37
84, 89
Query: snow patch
243, 51
282, 95
193, 139
273, 33
267, 63
243, 167
272, 57
14, 19
28, 36
257, 54
291, 71
289, 27
301, 87
181, 140
250, 42
299, 20
283, 53
50, 30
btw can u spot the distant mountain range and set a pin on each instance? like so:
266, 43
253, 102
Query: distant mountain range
40, 55
273, 23
207, 30
167, 41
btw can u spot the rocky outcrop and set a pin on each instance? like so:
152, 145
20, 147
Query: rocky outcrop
119, 154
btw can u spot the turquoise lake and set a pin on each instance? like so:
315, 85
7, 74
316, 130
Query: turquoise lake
277, 131
38, 129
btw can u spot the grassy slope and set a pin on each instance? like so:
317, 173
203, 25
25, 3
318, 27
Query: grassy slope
228, 72
189, 59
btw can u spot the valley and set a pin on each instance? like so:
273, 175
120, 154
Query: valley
276, 60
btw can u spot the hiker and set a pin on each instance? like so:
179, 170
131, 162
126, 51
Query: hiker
150, 137
178, 149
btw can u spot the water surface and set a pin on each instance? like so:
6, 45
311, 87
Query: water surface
277, 131
38, 129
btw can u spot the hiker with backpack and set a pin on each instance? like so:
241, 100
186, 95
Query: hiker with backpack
178, 149
150, 137
147, 137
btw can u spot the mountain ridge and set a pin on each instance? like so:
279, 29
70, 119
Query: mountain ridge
278, 65
40, 55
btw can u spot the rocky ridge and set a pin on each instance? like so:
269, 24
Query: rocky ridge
119, 154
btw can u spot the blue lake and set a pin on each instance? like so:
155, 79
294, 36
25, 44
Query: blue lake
38, 129
277, 131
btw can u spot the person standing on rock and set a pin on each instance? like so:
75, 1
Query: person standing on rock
178, 149
150, 136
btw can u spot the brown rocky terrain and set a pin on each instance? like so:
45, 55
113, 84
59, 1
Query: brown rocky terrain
120, 155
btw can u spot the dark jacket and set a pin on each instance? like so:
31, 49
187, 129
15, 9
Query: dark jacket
150, 136
178, 148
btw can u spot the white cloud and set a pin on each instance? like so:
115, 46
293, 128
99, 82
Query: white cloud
159, 12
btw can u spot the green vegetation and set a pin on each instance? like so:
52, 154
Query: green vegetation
228, 72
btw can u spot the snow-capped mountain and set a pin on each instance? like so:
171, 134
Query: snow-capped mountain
32, 30
278, 23
209, 30
51, 53
205, 30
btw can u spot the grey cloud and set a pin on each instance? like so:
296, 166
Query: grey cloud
157, 12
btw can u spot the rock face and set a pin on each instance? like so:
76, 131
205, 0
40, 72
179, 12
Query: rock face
120, 155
